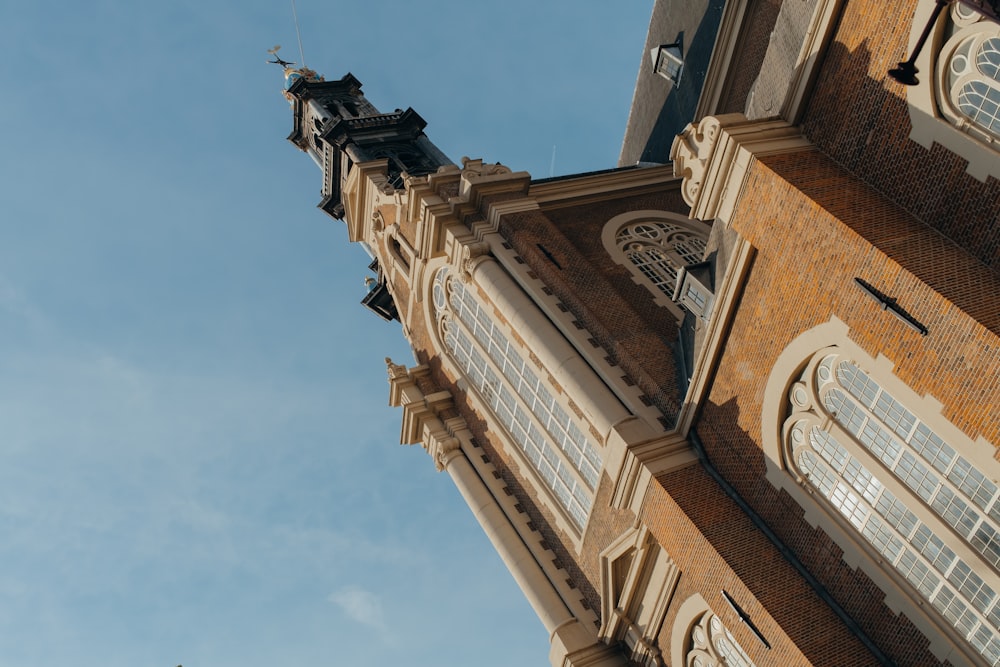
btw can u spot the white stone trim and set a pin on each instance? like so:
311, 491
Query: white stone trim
559, 607
727, 296
930, 125
565, 322
715, 158
634, 601
609, 238
685, 643
945, 642
528, 473
807, 66
720, 64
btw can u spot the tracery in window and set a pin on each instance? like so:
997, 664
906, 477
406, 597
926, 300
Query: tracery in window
956, 100
561, 453
659, 249
921, 505
969, 74
712, 645
656, 245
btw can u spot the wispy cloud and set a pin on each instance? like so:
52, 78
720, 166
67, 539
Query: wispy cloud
362, 606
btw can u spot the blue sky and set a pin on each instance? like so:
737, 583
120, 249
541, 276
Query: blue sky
197, 461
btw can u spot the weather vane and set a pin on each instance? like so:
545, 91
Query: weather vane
277, 59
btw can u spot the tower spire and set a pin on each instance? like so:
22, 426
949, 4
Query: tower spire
339, 128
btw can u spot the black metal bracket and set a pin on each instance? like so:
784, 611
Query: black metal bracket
890, 304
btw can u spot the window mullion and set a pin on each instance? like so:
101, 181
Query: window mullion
531, 412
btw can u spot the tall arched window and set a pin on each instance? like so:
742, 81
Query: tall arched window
921, 505
656, 245
564, 458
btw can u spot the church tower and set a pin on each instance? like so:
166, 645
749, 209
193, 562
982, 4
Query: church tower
735, 404
338, 127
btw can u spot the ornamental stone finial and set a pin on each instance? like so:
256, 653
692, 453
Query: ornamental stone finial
395, 370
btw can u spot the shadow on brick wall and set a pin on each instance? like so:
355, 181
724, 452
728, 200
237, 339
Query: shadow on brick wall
783, 592
861, 118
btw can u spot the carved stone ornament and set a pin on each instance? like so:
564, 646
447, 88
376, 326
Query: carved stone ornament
378, 222
440, 449
691, 151
477, 168
395, 370
712, 645
466, 254
470, 254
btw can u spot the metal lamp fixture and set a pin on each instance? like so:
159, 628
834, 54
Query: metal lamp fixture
906, 71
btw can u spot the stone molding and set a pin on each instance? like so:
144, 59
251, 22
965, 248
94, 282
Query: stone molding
634, 602
929, 124
715, 156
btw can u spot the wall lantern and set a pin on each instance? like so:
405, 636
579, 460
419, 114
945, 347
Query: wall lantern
906, 72
668, 62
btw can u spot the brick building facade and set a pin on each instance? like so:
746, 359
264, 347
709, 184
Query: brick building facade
738, 408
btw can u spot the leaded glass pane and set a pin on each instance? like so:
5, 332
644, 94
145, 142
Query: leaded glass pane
916, 476
934, 450
971, 586
659, 249
972, 483
981, 103
917, 573
931, 547
986, 540
896, 513
952, 509
900, 444
501, 394
988, 58
831, 450
892, 414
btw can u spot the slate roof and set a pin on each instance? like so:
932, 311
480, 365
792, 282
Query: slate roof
660, 111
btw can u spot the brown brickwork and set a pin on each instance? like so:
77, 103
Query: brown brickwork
637, 334
872, 138
734, 452
806, 220
806, 217
718, 549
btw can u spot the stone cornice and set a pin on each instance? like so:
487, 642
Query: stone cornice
589, 188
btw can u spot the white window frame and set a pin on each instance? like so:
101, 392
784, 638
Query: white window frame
934, 113
624, 246
791, 404
699, 638
487, 369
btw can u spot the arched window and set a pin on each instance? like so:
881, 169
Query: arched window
917, 501
656, 245
561, 453
969, 74
957, 100
712, 645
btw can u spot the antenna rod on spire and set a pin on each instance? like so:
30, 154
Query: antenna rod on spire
295, 17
